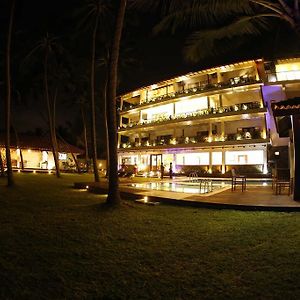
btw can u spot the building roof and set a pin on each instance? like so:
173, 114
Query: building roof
42, 143
286, 107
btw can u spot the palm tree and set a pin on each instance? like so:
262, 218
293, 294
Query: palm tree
226, 21
10, 179
82, 112
113, 188
2, 172
94, 10
49, 45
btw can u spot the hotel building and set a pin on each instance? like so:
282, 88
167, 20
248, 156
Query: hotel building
208, 121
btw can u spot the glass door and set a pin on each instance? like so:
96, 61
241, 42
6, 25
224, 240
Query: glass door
155, 162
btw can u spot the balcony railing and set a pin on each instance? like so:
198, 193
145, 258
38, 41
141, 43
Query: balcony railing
257, 134
199, 88
209, 111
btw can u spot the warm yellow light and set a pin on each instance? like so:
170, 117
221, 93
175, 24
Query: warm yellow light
183, 78
246, 116
19, 171
87, 187
173, 141
141, 167
223, 169
29, 150
146, 199
209, 139
34, 171
49, 172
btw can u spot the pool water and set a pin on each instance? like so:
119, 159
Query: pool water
193, 187
181, 187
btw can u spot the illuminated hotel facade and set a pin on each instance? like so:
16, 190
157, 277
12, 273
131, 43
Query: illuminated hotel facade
208, 121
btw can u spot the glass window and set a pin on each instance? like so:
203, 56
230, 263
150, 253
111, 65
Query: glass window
192, 105
251, 157
216, 158
193, 159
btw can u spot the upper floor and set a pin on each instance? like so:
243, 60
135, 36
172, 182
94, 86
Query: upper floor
205, 107
223, 80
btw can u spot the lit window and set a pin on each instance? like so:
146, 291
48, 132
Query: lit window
217, 158
251, 157
62, 156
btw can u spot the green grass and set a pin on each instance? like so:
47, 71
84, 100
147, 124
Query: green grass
60, 243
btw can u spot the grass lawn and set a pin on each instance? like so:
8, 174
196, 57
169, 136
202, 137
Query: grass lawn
60, 243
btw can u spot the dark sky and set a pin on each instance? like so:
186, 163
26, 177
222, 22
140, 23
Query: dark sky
157, 57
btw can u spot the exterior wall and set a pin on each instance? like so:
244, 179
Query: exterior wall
252, 159
192, 108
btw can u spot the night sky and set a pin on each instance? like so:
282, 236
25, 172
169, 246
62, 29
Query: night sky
151, 58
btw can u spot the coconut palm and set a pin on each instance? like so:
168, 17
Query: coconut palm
10, 179
113, 188
49, 47
223, 22
91, 14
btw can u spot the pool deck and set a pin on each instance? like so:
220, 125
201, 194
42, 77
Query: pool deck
254, 198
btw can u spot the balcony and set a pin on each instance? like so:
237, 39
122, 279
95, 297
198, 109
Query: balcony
214, 140
283, 76
200, 87
206, 113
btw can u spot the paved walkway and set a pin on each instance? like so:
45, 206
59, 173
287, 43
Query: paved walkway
254, 198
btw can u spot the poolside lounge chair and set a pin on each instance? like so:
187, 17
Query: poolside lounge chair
281, 181
238, 180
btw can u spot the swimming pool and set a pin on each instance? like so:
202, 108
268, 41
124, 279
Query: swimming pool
194, 187
182, 187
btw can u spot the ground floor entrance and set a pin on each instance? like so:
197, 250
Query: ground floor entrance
155, 162
244, 158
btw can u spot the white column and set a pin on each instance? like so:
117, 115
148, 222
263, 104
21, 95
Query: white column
222, 128
210, 131
210, 162
119, 140
265, 167
220, 100
223, 162
208, 102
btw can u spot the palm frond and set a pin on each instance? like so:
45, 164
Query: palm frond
195, 13
203, 43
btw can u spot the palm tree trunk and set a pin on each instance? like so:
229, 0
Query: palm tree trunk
10, 178
113, 188
76, 163
54, 131
50, 120
106, 125
1, 165
85, 138
19, 146
93, 121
